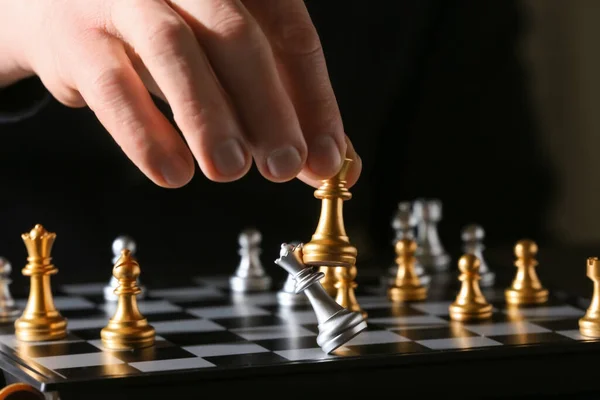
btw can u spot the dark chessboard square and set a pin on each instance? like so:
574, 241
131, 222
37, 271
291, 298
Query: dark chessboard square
247, 360
387, 348
55, 349
435, 332
210, 302
531, 338
98, 371
199, 338
250, 321
87, 334
275, 308
559, 324
393, 310
84, 313
152, 354
291, 343
173, 316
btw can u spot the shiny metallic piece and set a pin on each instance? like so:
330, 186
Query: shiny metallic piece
589, 324
40, 321
287, 296
473, 236
430, 251
526, 287
404, 224
407, 286
336, 324
128, 329
346, 286
329, 280
250, 275
121, 243
470, 304
8, 310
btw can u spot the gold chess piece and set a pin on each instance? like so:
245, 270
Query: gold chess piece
407, 285
345, 285
330, 245
526, 287
40, 320
128, 328
470, 304
589, 324
328, 281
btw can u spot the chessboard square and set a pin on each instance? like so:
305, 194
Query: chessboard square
255, 299
83, 289
566, 324
77, 360
438, 332
368, 302
433, 308
159, 342
65, 303
247, 359
98, 371
273, 332
176, 364
410, 320
225, 349
221, 282
171, 316
375, 337
393, 310
87, 323
234, 311
11, 340
505, 328
190, 293
531, 338
387, 348
561, 311
299, 317
186, 325
84, 314
575, 334
466, 342
250, 322
152, 353
55, 349
311, 354
157, 307
87, 333
290, 343
202, 338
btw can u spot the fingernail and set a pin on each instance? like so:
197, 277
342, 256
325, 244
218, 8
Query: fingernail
324, 156
284, 163
176, 171
229, 157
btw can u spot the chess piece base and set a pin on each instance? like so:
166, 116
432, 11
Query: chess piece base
41, 329
339, 329
250, 284
437, 263
128, 335
589, 327
407, 293
9, 315
472, 312
288, 299
522, 297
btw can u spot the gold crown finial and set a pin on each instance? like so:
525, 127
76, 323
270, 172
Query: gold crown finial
39, 244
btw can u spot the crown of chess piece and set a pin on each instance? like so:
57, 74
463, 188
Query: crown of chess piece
589, 324
346, 285
118, 245
336, 324
250, 275
128, 329
430, 251
8, 310
470, 304
407, 286
287, 296
526, 287
40, 320
472, 236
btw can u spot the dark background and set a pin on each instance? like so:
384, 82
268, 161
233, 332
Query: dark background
433, 95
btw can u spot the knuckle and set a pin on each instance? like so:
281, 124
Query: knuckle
298, 37
165, 33
106, 87
232, 25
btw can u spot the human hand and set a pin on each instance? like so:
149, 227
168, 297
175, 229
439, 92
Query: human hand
245, 79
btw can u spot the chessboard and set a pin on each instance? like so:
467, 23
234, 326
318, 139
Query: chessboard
210, 337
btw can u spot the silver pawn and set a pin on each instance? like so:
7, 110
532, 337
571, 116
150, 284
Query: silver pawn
250, 275
430, 251
119, 244
336, 324
404, 224
8, 310
287, 296
472, 237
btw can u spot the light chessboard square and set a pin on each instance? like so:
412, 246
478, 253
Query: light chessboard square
171, 365
77, 360
187, 293
273, 332
433, 308
186, 326
235, 311
565, 311
146, 307
225, 349
458, 343
87, 323
300, 317
305, 354
84, 289
64, 303
376, 337
408, 320
505, 328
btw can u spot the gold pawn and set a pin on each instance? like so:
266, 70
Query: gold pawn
526, 287
589, 324
470, 304
40, 320
328, 281
407, 285
345, 285
128, 329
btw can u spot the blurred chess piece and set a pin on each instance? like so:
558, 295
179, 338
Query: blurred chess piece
430, 251
121, 243
346, 285
8, 311
250, 275
336, 324
473, 236
526, 287
470, 304
589, 324
407, 285
128, 329
40, 320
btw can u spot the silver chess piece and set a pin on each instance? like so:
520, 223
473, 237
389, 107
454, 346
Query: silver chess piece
8, 310
472, 237
250, 275
430, 251
336, 324
287, 296
121, 243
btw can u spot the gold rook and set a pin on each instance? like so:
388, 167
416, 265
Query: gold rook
589, 325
